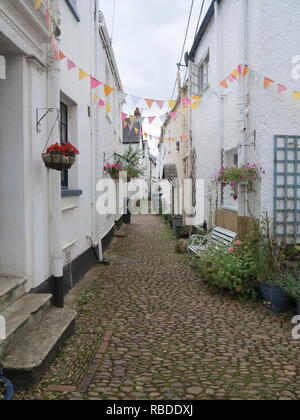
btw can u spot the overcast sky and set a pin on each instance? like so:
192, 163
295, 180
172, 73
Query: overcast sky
148, 37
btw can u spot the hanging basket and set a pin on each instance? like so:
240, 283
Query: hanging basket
116, 176
59, 161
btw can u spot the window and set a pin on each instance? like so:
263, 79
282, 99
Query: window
204, 74
64, 138
73, 7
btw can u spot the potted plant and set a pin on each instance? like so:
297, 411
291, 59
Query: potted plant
60, 156
244, 177
133, 168
114, 170
269, 259
291, 284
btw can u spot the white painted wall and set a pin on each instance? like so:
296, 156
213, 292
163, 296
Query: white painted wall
272, 42
25, 204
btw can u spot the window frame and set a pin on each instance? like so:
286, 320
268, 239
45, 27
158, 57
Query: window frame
203, 70
62, 123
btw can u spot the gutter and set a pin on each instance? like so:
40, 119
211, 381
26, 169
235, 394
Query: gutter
209, 15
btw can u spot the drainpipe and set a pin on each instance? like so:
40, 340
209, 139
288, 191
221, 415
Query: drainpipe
220, 76
55, 182
242, 100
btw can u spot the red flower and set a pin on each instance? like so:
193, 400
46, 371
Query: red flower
64, 149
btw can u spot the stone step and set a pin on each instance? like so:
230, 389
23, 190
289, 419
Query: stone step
21, 317
27, 362
11, 289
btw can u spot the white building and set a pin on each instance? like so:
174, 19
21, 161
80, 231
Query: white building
48, 221
239, 124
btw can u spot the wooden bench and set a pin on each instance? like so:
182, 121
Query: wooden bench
217, 237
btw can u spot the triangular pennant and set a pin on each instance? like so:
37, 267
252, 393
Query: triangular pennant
125, 123
149, 102
195, 105
281, 88
62, 55
160, 104
173, 115
239, 69
151, 119
146, 135
296, 95
95, 83
172, 104
132, 119
83, 74
95, 98
123, 116
245, 71
231, 78
108, 108
235, 74
101, 102
224, 84
108, 90
135, 99
141, 120
197, 98
37, 4
186, 101
136, 130
267, 82
122, 96
71, 65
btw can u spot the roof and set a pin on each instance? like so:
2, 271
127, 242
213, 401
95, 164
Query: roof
129, 135
170, 171
210, 13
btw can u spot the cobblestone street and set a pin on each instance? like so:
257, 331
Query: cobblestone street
149, 328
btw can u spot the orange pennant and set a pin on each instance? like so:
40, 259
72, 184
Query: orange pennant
267, 82
62, 55
149, 102
108, 90
245, 71
224, 84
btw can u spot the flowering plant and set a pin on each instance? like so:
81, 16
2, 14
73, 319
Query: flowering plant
63, 149
246, 175
114, 170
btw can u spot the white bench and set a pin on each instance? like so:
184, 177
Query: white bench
218, 237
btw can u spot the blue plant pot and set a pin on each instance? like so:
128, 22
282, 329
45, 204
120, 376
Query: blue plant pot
274, 295
9, 389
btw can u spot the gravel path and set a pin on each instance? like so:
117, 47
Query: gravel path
149, 328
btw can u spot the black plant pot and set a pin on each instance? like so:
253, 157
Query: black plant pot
274, 295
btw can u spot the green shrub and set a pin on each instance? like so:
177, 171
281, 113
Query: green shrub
230, 269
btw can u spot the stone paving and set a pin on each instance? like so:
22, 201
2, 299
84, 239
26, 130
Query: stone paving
168, 336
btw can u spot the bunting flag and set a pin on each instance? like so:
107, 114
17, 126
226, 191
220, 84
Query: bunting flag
62, 56
195, 105
224, 84
95, 83
267, 82
37, 4
196, 98
235, 74
172, 104
122, 96
101, 103
296, 95
82, 74
71, 65
151, 119
245, 71
125, 124
132, 119
186, 101
160, 104
123, 116
108, 90
136, 130
95, 98
135, 99
281, 88
149, 102
173, 115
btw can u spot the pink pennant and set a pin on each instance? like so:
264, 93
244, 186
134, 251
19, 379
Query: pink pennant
186, 101
281, 88
123, 116
160, 104
101, 102
231, 78
151, 119
173, 115
95, 83
239, 69
71, 65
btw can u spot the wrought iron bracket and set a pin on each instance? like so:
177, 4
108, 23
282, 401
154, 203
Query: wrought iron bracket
40, 118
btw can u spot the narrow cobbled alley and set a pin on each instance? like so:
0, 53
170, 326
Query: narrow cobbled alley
148, 328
